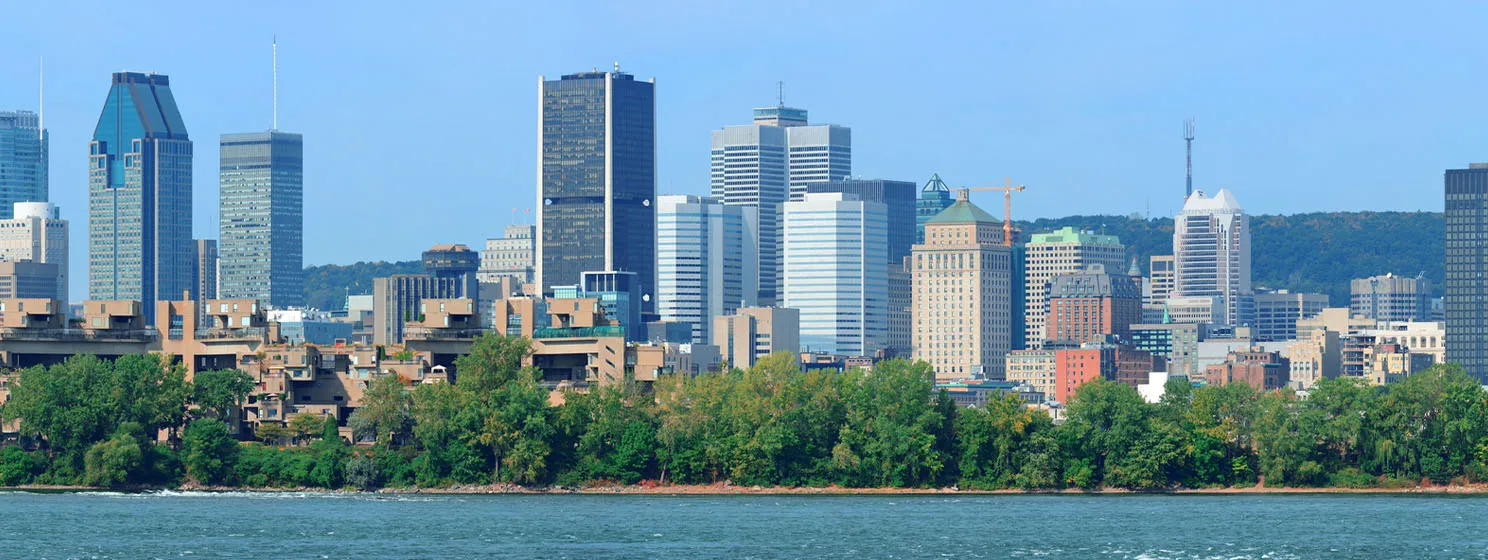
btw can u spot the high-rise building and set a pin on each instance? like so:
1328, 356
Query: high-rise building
1391, 298
836, 272
204, 263
756, 332
449, 273
1090, 305
773, 159
37, 233
513, 255
1466, 298
1277, 313
596, 179
1160, 279
24, 160
962, 294
262, 231
818, 153
139, 195
707, 261
27, 279
935, 197
897, 196
1211, 254
1049, 255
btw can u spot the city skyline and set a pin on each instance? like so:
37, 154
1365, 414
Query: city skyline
1269, 121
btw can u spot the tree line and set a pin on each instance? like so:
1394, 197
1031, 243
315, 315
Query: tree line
769, 425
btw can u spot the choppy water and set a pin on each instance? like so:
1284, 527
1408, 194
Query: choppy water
282, 526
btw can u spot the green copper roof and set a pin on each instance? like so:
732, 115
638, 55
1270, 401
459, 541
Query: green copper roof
962, 212
1070, 235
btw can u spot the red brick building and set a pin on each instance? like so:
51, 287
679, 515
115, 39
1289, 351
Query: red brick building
1113, 362
1263, 370
1092, 304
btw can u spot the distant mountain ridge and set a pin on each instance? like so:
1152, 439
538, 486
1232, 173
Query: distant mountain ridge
1314, 252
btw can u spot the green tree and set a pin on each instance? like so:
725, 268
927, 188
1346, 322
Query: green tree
384, 414
208, 451
304, 425
889, 435
514, 423
218, 391
117, 461
1105, 421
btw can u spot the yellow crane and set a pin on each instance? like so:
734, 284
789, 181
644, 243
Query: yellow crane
1007, 204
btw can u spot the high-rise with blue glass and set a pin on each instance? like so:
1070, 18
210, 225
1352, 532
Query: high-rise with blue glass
262, 243
23, 160
596, 179
139, 195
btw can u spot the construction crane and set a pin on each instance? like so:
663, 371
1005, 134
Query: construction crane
1007, 204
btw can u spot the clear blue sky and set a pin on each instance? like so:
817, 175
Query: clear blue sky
420, 118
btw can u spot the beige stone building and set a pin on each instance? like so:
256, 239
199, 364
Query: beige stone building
756, 332
1035, 367
38, 234
962, 294
1053, 254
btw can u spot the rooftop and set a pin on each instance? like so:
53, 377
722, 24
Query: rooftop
1223, 201
963, 212
1070, 235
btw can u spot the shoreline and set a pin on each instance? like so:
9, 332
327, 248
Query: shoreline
722, 489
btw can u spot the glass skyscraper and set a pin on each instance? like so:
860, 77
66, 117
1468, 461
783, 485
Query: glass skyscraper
1466, 298
596, 179
897, 196
139, 195
262, 240
707, 261
935, 197
23, 160
836, 272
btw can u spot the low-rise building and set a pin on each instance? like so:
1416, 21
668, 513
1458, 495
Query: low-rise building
1254, 366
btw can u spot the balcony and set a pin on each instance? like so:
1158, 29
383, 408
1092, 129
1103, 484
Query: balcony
427, 333
78, 335
578, 332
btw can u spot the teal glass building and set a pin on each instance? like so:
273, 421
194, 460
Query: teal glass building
139, 195
23, 160
262, 231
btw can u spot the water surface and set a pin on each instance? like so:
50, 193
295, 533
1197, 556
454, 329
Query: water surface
283, 526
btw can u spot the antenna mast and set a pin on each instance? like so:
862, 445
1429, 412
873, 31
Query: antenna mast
780, 93
276, 82
1188, 138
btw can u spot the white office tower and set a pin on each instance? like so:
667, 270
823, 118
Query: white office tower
37, 233
764, 163
818, 154
836, 272
707, 255
1211, 253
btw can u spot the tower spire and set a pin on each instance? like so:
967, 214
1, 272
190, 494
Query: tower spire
780, 93
1188, 138
276, 82
41, 97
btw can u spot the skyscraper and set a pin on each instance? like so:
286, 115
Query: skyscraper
1049, 255
818, 153
139, 195
596, 179
962, 279
263, 218
772, 160
934, 198
897, 196
1466, 297
37, 233
1087, 306
707, 258
1211, 254
23, 160
836, 272
203, 274
1391, 298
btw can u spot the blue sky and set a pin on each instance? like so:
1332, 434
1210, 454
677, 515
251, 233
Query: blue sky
420, 119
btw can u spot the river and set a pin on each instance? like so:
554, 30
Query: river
306, 525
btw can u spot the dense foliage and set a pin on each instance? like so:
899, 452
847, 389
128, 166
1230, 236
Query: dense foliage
769, 425
327, 286
1317, 252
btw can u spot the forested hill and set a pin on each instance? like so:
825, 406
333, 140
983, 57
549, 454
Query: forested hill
1317, 252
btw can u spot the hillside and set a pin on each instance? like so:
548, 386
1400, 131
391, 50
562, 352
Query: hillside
1317, 252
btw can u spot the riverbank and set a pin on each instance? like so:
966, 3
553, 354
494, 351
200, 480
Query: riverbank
723, 489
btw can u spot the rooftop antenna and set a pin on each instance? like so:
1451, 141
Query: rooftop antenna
1188, 138
276, 82
780, 93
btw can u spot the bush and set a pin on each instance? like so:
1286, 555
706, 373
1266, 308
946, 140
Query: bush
209, 452
19, 467
361, 473
1352, 477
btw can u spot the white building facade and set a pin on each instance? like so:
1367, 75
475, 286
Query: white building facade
513, 255
1211, 254
37, 233
707, 255
836, 272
